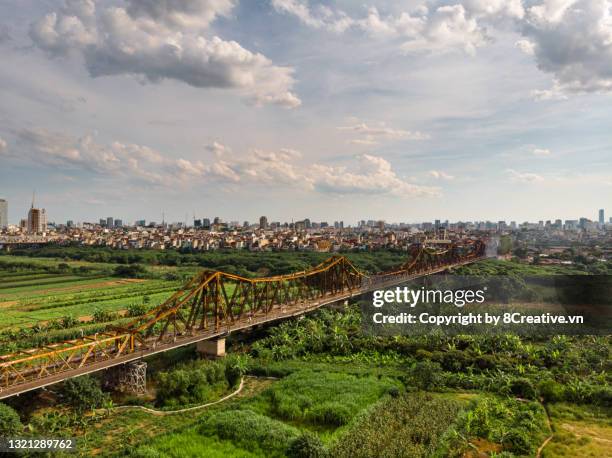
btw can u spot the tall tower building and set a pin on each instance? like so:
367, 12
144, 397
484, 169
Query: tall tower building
3, 213
37, 219
601, 216
263, 222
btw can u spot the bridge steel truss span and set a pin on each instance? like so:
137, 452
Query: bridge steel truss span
213, 304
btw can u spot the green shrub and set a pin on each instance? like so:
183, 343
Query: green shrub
103, 316
195, 382
129, 271
83, 393
68, 322
485, 362
602, 396
330, 414
136, 309
426, 375
250, 430
10, 424
523, 387
307, 445
422, 354
519, 426
551, 391
236, 366
453, 360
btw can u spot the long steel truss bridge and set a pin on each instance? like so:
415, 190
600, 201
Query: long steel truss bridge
214, 304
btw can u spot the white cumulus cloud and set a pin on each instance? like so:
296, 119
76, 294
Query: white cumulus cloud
374, 176
156, 40
572, 40
440, 175
371, 134
569, 39
541, 152
524, 177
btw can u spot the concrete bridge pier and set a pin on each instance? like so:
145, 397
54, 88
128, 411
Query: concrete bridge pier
213, 348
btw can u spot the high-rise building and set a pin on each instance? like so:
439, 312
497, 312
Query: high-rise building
118, 223
3, 213
37, 220
601, 216
263, 222
109, 221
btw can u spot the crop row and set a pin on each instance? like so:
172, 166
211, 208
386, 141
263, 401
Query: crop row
21, 286
16, 276
56, 302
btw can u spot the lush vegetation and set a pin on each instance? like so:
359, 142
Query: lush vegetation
579, 431
251, 431
233, 261
325, 399
410, 424
316, 387
83, 393
10, 423
198, 381
44, 301
512, 425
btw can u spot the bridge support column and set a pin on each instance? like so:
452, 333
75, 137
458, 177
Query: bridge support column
130, 378
214, 348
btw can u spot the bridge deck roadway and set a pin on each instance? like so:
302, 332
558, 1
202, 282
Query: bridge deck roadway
238, 325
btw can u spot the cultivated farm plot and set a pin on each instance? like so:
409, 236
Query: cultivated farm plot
26, 300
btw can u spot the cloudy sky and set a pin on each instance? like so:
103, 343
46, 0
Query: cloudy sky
403, 111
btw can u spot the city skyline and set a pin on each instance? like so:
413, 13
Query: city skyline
120, 220
465, 110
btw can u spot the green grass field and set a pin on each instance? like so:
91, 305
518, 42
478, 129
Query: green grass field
25, 304
584, 431
36, 290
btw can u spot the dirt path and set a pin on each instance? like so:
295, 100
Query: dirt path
586, 431
162, 413
549, 438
